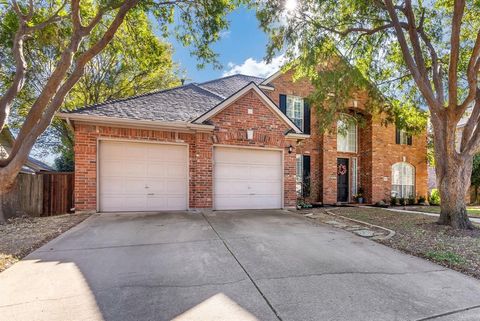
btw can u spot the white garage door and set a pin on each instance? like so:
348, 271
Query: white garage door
247, 178
142, 176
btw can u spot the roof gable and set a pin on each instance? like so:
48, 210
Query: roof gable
251, 86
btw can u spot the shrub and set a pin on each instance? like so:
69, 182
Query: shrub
421, 199
434, 197
411, 200
403, 201
393, 201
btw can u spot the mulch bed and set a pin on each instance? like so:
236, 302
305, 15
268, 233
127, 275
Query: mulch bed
419, 235
20, 236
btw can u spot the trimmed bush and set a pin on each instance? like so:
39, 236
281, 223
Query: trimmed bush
393, 201
434, 197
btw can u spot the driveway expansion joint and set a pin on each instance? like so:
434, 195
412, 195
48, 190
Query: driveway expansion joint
352, 273
123, 246
154, 286
433, 317
244, 270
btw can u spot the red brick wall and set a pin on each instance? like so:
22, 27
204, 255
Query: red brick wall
201, 176
377, 150
385, 153
231, 125
312, 147
86, 137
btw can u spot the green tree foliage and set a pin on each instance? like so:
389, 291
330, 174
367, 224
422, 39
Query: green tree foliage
476, 171
319, 41
414, 53
64, 36
136, 61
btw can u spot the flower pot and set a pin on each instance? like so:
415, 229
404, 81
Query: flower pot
360, 200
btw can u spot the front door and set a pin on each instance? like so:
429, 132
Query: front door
342, 180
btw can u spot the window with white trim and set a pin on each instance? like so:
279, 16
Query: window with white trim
403, 180
299, 176
294, 110
346, 136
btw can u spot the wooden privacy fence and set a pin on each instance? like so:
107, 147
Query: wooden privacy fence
57, 193
41, 194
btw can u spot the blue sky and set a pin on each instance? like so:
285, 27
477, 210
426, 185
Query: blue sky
241, 50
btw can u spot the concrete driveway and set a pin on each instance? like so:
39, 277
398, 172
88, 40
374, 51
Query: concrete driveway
245, 265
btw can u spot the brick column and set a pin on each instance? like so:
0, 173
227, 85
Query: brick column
329, 167
289, 176
201, 184
85, 168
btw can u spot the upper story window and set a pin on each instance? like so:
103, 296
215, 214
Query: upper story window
295, 110
347, 135
402, 137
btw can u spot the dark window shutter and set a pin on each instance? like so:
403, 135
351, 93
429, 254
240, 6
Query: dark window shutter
409, 139
306, 117
306, 176
283, 104
397, 136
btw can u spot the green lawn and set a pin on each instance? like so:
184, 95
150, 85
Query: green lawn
473, 211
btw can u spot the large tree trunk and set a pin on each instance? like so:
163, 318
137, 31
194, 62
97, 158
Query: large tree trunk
6, 183
453, 178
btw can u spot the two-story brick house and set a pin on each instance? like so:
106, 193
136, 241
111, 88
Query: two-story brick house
238, 142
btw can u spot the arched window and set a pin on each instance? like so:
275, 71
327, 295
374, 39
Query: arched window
403, 180
347, 135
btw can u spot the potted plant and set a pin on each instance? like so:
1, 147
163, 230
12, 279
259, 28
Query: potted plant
422, 200
359, 196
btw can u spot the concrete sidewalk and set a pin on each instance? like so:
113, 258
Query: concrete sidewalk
242, 265
473, 219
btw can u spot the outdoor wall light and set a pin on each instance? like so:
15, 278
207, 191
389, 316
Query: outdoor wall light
290, 149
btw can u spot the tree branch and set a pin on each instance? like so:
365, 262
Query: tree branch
414, 39
471, 124
43, 120
18, 82
424, 87
458, 11
437, 74
472, 75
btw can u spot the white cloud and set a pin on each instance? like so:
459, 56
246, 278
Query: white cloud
253, 67
225, 34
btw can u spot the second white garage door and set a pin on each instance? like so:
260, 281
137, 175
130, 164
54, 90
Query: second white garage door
142, 176
247, 178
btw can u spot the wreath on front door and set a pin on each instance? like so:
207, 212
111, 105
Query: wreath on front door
342, 169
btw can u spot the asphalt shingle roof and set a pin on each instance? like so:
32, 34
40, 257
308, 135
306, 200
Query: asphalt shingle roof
184, 103
227, 86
